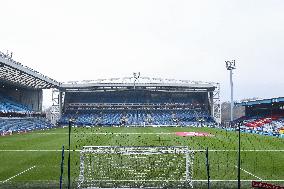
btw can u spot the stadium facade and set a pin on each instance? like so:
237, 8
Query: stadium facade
21, 97
146, 101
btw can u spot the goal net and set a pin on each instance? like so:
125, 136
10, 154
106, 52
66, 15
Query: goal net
135, 167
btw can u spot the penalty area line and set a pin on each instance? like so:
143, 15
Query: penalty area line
19, 174
250, 173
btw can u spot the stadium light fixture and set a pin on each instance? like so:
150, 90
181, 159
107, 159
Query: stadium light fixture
231, 65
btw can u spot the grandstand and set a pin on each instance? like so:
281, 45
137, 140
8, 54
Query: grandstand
265, 117
150, 101
21, 97
7, 105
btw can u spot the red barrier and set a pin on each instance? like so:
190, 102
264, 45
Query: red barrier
255, 184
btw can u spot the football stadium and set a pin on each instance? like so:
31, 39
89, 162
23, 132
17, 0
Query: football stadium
133, 132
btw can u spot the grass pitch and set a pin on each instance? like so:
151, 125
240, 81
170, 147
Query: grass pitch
32, 160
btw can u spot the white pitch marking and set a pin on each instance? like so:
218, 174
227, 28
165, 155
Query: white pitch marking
30, 150
18, 174
186, 180
250, 173
106, 133
34, 150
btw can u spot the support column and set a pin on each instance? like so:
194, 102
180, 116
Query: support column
60, 103
216, 103
232, 95
211, 103
55, 109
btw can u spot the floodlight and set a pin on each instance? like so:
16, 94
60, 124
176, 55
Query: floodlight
230, 65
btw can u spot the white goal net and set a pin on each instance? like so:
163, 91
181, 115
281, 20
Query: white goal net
135, 167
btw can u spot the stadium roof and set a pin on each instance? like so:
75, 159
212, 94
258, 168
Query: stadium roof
142, 82
262, 101
15, 73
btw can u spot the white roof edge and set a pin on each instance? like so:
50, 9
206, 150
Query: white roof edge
141, 80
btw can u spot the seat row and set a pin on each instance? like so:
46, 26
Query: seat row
140, 117
15, 125
8, 105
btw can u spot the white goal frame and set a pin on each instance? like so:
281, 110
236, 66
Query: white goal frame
92, 152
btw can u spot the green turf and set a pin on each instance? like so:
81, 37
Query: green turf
263, 164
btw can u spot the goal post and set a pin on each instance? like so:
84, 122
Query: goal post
136, 167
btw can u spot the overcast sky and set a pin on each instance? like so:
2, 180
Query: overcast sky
182, 39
